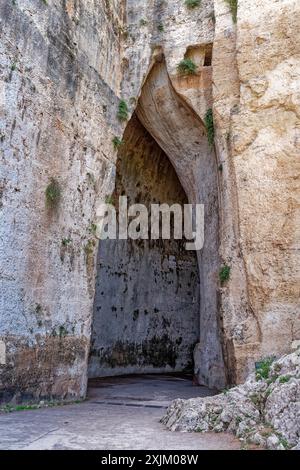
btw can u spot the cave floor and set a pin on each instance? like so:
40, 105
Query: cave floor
120, 413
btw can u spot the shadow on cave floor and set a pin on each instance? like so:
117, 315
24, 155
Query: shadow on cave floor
144, 390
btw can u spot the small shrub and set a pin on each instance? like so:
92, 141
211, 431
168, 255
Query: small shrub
117, 142
53, 193
224, 274
109, 200
123, 111
143, 22
160, 27
93, 228
187, 67
210, 128
263, 368
284, 442
192, 3
234, 8
284, 379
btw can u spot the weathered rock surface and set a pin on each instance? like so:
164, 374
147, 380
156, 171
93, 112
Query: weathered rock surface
265, 410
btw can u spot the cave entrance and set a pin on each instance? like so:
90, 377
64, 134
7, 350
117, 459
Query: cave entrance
149, 309
146, 309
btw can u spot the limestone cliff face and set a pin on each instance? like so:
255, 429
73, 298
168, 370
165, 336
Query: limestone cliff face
63, 68
61, 73
256, 103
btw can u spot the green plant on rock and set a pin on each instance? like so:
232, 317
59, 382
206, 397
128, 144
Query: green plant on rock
263, 368
93, 228
284, 379
192, 3
187, 67
117, 142
224, 274
62, 331
234, 8
210, 128
66, 241
123, 111
109, 199
143, 22
53, 193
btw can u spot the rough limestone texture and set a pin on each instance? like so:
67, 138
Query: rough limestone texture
60, 75
265, 410
64, 66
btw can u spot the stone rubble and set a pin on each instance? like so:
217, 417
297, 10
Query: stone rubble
264, 411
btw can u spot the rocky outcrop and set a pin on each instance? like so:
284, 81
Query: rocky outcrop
265, 410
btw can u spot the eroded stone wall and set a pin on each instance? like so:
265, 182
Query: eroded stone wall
256, 104
60, 77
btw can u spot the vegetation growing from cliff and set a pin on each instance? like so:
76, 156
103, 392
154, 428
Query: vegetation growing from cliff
187, 67
192, 3
117, 142
53, 193
224, 274
123, 111
263, 368
209, 124
233, 7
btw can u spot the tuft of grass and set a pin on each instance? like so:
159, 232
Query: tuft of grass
284, 379
187, 67
62, 332
192, 3
123, 111
143, 22
117, 142
66, 241
36, 406
210, 128
263, 368
53, 193
224, 274
160, 27
109, 200
234, 8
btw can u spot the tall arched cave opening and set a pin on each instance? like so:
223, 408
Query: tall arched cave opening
156, 304
146, 311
